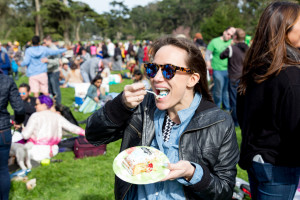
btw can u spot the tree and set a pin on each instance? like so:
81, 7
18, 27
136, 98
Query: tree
224, 16
82, 13
56, 19
5, 15
118, 19
252, 9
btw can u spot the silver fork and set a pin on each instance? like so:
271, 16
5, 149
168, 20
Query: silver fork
152, 93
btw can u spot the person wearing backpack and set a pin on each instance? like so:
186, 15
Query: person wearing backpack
4, 61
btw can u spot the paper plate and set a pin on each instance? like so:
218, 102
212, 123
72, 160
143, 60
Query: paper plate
159, 167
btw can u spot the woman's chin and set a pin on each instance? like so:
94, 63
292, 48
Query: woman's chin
162, 105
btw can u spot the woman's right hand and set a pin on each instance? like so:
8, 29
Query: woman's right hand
133, 94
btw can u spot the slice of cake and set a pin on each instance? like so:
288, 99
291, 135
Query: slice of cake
139, 160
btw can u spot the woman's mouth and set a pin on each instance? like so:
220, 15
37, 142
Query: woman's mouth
161, 93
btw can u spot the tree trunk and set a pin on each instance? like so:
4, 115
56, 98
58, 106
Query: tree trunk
38, 24
8, 31
66, 34
77, 29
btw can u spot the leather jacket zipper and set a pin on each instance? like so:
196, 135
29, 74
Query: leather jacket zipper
126, 191
140, 136
139, 133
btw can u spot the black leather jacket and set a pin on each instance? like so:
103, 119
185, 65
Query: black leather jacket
9, 93
209, 140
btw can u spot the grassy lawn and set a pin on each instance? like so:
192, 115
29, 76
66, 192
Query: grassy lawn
91, 178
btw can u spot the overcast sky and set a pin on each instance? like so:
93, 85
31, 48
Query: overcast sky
101, 6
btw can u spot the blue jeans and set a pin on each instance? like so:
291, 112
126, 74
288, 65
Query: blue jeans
54, 89
269, 182
5, 142
140, 62
220, 89
232, 90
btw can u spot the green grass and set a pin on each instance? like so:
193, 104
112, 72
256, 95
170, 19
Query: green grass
91, 178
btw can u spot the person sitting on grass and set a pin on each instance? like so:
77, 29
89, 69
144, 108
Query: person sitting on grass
95, 91
139, 77
29, 101
94, 94
74, 76
44, 129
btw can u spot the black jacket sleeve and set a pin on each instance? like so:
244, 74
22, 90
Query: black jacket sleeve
16, 103
108, 123
225, 53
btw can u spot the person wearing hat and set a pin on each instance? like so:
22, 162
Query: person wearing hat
198, 40
15, 56
16, 46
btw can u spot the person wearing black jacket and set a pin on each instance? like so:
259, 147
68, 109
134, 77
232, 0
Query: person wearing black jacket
182, 121
236, 55
106, 58
8, 93
268, 104
29, 102
117, 59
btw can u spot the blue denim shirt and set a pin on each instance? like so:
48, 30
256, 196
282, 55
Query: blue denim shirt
170, 189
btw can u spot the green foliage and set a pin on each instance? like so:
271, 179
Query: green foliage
21, 34
252, 10
77, 21
117, 20
82, 14
224, 16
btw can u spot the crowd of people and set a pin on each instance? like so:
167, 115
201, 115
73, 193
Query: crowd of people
202, 93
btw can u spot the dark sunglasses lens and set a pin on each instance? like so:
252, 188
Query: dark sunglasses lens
168, 72
151, 70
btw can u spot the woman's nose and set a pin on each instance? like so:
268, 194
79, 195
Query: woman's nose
159, 76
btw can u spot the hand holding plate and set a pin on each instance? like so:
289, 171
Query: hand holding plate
181, 169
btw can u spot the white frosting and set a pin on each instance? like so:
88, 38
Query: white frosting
140, 155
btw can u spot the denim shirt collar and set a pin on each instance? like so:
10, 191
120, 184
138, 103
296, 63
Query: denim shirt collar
185, 113
185, 116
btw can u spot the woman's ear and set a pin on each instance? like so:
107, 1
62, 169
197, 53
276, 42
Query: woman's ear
194, 79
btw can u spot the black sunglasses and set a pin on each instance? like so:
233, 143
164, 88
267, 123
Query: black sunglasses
168, 70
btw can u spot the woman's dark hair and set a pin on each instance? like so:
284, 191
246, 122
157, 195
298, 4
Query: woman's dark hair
138, 72
194, 60
97, 77
271, 49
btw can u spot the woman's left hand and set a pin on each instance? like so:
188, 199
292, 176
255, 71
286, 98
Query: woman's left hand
181, 169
